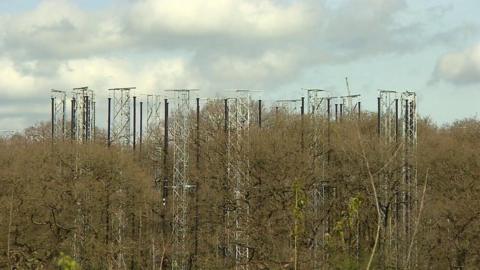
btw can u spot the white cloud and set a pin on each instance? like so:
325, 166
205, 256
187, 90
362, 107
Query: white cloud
57, 29
238, 19
460, 67
211, 45
12, 82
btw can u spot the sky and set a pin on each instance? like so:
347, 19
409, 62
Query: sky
431, 47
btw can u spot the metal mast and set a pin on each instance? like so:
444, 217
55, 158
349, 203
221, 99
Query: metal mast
91, 115
389, 196
154, 103
397, 126
83, 113
317, 101
59, 113
121, 115
154, 135
241, 177
180, 185
388, 115
237, 128
409, 173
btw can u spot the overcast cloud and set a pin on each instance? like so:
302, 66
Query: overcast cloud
278, 46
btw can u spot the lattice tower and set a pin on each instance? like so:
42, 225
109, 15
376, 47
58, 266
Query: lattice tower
59, 113
181, 186
121, 110
84, 114
317, 101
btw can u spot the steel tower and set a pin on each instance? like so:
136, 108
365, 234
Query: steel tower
59, 99
121, 108
180, 183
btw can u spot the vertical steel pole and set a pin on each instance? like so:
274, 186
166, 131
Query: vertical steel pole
87, 118
407, 175
141, 126
302, 122
226, 116
165, 155
198, 134
109, 123
336, 112
378, 115
328, 126
341, 112
64, 109
260, 113
396, 120
197, 191
53, 119
359, 111
84, 119
94, 119
134, 122
302, 107
73, 119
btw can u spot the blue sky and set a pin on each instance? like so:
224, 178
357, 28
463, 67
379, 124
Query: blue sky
279, 46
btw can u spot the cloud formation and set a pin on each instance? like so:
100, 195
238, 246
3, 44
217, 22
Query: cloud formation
225, 41
211, 45
459, 67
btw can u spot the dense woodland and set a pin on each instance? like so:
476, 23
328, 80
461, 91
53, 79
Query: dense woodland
102, 207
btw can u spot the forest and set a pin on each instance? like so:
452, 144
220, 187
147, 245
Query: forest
321, 194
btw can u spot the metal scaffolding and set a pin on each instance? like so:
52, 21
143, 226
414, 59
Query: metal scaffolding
397, 128
388, 115
83, 114
288, 106
154, 103
318, 109
238, 140
350, 105
121, 109
409, 175
154, 134
316, 102
59, 99
180, 183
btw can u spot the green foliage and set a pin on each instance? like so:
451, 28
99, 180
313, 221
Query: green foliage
65, 262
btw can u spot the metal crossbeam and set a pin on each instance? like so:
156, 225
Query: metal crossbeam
289, 105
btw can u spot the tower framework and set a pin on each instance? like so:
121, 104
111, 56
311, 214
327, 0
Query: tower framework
316, 101
59, 99
154, 135
409, 176
180, 182
397, 128
238, 141
388, 115
350, 105
289, 106
121, 108
154, 103
83, 113
318, 109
